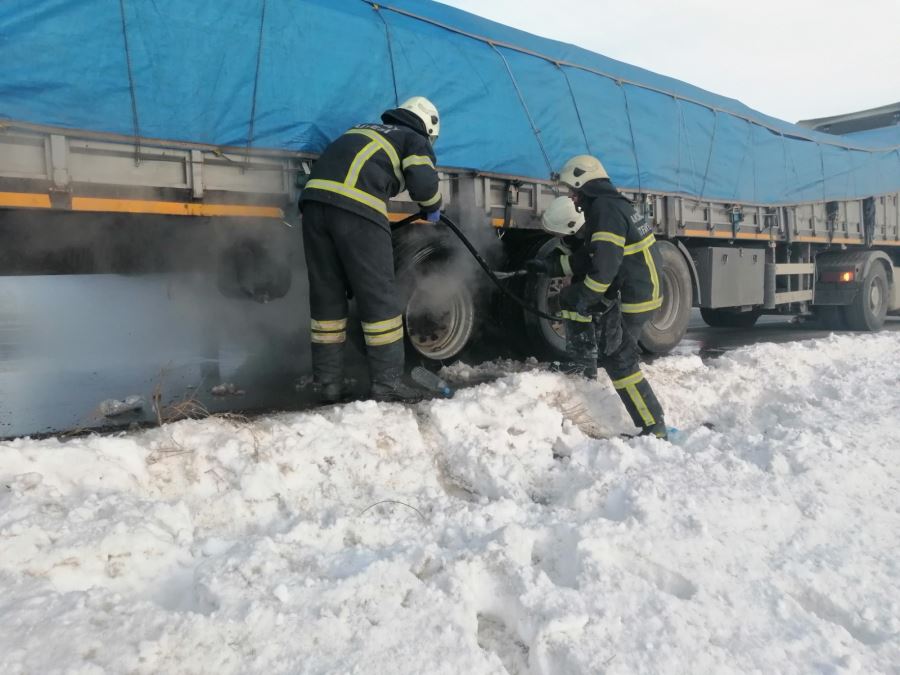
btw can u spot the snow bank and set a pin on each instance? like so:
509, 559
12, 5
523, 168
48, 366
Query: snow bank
485, 534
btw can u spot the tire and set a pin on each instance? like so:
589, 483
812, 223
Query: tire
439, 306
729, 318
544, 339
668, 324
868, 310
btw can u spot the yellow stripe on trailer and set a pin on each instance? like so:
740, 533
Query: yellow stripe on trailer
31, 200
25, 200
173, 208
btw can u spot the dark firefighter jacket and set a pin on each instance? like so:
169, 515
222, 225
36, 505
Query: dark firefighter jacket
617, 252
370, 163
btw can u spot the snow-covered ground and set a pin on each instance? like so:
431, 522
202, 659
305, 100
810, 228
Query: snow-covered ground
485, 534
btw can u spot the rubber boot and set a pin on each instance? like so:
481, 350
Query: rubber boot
643, 407
386, 370
581, 350
659, 430
328, 372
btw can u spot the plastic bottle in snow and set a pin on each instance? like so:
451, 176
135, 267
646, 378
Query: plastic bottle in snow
431, 381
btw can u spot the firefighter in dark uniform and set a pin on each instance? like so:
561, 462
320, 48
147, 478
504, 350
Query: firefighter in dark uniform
615, 285
347, 240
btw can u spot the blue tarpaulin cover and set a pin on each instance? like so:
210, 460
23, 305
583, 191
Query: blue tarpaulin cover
294, 74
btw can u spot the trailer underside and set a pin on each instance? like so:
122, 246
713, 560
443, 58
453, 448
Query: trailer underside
192, 254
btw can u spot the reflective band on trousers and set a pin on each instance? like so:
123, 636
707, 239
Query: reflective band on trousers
383, 332
328, 338
329, 331
629, 384
384, 338
381, 326
331, 324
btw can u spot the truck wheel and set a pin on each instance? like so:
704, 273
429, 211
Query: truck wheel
669, 323
869, 309
440, 309
545, 339
729, 318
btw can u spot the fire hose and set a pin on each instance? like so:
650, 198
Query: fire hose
494, 276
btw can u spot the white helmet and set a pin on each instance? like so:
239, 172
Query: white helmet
580, 169
425, 110
562, 218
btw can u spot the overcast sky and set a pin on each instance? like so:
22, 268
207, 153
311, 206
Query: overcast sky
793, 59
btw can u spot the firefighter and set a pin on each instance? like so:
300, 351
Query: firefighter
615, 284
347, 241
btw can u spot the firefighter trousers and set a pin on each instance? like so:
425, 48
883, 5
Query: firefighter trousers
610, 341
348, 254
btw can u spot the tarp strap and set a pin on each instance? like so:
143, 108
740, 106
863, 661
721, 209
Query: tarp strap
637, 163
737, 180
387, 35
788, 159
712, 147
259, 48
683, 133
822, 164
134, 108
534, 127
681, 127
587, 143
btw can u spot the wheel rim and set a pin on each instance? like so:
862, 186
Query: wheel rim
666, 315
554, 287
436, 330
875, 297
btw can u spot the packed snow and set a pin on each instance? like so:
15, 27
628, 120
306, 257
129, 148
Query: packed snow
497, 532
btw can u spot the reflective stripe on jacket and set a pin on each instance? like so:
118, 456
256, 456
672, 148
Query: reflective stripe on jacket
618, 252
370, 163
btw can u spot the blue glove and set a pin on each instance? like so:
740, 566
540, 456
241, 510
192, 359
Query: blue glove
433, 216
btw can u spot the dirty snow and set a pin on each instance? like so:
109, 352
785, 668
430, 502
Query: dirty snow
484, 534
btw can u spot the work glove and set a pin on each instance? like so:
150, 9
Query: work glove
574, 298
577, 298
433, 216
